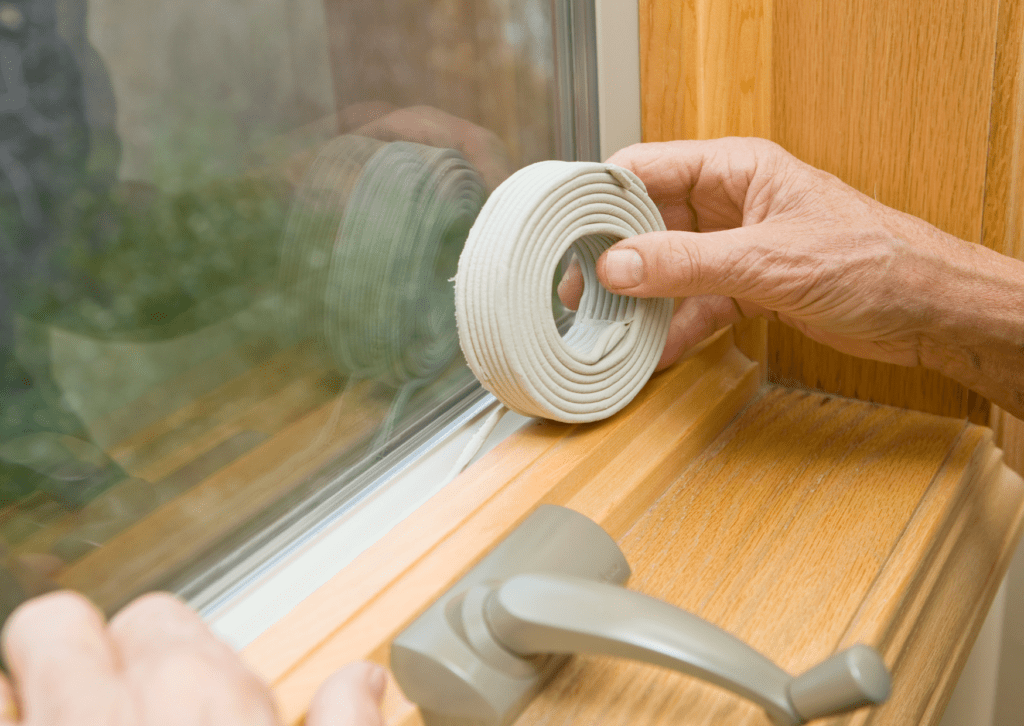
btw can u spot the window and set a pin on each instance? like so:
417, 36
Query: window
225, 244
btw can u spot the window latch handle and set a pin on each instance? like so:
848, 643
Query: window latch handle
554, 587
534, 614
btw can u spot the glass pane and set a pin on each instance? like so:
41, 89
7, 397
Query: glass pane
226, 237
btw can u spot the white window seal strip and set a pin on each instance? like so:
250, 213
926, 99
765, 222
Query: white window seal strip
503, 302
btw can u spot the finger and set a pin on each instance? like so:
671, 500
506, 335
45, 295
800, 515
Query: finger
698, 318
683, 264
59, 655
703, 185
180, 670
158, 622
350, 697
183, 687
570, 289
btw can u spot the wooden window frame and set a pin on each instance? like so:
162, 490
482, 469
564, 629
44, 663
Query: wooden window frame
707, 70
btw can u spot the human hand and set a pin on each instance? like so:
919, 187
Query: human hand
155, 664
756, 232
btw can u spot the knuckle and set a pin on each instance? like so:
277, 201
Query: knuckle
180, 667
711, 315
153, 606
64, 606
768, 150
683, 259
212, 680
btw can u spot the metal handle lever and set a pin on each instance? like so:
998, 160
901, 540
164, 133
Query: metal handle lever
537, 613
554, 585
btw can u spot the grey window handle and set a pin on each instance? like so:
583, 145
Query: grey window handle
539, 613
555, 586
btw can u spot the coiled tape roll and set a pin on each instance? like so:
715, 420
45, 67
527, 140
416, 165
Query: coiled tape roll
503, 299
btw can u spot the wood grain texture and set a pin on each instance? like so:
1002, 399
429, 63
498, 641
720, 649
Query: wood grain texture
810, 523
1009, 433
892, 97
813, 523
1004, 189
215, 425
705, 68
612, 471
705, 72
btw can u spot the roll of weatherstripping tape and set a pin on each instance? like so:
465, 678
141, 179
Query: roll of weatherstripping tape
503, 299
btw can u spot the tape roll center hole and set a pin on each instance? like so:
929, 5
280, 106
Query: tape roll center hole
602, 318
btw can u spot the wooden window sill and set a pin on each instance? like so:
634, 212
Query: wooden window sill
803, 524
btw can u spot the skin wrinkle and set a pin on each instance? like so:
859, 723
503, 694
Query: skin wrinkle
725, 207
694, 221
738, 201
772, 271
759, 208
750, 268
739, 311
679, 258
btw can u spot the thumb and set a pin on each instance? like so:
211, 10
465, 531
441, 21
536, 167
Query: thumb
350, 697
681, 264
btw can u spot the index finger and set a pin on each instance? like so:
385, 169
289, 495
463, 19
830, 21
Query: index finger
170, 651
707, 186
59, 655
156, 623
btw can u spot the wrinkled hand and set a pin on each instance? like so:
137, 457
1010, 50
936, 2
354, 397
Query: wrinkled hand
155, 664
756, 232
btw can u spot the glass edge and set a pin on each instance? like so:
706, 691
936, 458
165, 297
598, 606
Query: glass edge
575, 53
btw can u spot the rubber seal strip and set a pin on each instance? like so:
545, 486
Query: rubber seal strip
503, 293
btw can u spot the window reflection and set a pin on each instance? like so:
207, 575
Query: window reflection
226, 237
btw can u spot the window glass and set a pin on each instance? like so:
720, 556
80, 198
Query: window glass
227, 232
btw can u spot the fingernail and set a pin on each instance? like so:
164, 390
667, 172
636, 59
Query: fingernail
623, 268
